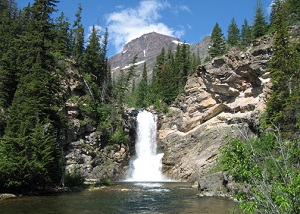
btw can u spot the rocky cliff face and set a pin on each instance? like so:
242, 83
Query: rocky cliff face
85, 152
224, 97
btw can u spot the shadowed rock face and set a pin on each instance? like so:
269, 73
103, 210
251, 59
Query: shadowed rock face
224, 97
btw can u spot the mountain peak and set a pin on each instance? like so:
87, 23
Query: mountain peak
151, 35
146, 48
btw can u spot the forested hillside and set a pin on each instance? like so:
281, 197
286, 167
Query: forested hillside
36, 52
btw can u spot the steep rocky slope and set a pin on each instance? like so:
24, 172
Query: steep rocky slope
224, 97
85, 152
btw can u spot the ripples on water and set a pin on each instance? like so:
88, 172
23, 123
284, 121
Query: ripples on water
122, 198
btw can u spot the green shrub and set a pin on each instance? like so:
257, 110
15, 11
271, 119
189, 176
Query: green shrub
101, 182
73, 179
268, 168
118, 137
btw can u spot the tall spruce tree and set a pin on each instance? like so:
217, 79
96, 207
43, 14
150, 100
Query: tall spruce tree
62, 41
105, 80
123, 83
174, 74
246, 33
142, 90
170, 73
282, 106
91, 63
9, 30
77, 38
260, 25
183, 63
217, 42
157, 71
233, 33
29, 154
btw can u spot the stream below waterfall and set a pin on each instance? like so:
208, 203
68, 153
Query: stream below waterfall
122, 198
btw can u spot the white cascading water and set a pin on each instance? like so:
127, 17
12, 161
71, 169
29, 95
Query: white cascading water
146, 165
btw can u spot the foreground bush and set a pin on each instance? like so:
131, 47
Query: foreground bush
269, 169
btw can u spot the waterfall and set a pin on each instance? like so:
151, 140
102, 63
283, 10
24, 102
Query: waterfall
146, 164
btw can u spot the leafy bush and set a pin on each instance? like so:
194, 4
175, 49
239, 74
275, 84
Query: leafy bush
118, 137
269, 168
73, 179
105, 182
101, 182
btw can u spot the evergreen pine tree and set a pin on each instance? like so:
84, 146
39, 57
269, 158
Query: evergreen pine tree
30, 157
33, 108
246, 33
94, 64
217, 42
62, 41
282, 106
170, 83
77, 38
91, 62
9, 30
105, 80
233, 33
122, 85
182, 59
170, 73
260, 25
142, 90
157, 72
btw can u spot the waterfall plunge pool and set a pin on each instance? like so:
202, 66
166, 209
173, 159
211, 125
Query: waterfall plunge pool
123, 198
